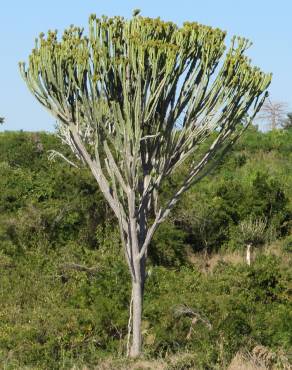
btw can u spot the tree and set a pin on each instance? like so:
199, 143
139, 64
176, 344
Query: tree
135, 99
287, 122
273, 113
1, 119
253, 233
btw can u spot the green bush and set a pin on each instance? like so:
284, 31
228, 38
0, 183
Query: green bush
168, 246
287, 245
53, 217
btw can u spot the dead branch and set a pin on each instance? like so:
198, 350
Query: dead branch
183, 310
77, 267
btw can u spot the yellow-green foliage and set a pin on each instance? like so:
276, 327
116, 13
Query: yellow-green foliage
131, 82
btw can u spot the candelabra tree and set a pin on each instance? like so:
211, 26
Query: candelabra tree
253, 232
135, 99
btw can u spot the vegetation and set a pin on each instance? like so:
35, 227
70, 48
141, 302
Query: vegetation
135, 100
65, 287
287, 123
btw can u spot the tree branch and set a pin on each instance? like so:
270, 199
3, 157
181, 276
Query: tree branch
100, 178
53, 154
77, 267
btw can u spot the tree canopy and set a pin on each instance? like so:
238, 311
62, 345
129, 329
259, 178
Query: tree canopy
145, 90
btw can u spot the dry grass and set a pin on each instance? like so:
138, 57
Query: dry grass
176, 362
274, 248
207, 263
239, 362
260, 358
111, 364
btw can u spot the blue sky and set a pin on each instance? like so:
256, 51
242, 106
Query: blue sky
266, 23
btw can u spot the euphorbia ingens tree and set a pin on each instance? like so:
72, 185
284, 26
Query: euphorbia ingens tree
134, 100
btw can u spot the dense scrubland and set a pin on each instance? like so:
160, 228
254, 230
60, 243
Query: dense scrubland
65, 289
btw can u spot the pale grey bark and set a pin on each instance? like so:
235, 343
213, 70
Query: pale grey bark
137, 294
248, 254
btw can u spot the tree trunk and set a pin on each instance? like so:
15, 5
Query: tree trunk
137, 295
248, 254
136, 240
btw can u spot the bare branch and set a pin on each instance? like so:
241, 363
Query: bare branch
100, 178
77, 267
273, 113
53, 154
183, 310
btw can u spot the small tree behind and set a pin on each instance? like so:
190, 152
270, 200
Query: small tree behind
287, 122
253, 233
273, 113
135, 99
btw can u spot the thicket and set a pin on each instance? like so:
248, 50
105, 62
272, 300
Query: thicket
64, 288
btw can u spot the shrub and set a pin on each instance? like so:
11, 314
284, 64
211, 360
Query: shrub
287, 244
